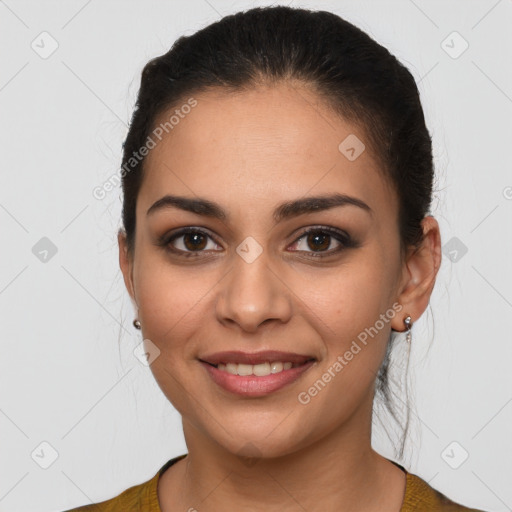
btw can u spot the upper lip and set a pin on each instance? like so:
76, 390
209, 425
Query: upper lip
254, 357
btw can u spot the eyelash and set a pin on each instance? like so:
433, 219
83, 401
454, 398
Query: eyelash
344, 239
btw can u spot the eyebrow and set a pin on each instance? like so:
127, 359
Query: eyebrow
284, 211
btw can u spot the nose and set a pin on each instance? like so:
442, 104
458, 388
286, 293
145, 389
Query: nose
251, 294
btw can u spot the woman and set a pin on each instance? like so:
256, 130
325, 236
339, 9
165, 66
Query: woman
277, 179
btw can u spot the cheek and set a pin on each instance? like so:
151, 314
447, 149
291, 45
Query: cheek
172, 304
353, 322
171, 300
349, 299
351, 311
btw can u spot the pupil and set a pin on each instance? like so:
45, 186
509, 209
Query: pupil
313, 238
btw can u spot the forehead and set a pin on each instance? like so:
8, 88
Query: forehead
261, 146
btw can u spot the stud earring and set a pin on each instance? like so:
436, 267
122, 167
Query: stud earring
136, 324
408, 325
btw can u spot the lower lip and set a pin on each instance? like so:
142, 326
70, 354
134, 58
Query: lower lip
251, 385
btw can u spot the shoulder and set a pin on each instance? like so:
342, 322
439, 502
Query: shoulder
139, 497
421, 497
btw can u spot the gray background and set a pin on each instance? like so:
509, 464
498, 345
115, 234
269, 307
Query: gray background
65, 382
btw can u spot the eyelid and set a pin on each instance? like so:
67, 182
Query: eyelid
321, 228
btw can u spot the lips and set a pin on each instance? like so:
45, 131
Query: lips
255, 357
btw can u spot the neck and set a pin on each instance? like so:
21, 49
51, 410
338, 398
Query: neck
339, 468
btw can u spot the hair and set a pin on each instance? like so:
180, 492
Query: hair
356, 77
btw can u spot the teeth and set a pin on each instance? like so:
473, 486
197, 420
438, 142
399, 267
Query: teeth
260, 370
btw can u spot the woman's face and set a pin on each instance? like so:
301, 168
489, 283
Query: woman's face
251, 281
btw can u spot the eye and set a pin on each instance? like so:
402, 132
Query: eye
320, 239
191, 242
188, 240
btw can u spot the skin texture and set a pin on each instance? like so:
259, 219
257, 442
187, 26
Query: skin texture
249, 152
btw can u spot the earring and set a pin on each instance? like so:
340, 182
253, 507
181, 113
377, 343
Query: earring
136, 324
408, 325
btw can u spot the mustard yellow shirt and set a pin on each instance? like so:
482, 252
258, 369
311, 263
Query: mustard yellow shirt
419, 497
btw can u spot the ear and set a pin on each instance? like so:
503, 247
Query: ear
126, 264
419, 275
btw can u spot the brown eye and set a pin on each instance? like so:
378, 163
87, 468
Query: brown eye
189, 241
317, 241
194, 241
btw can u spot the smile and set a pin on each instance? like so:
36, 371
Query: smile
256, 380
